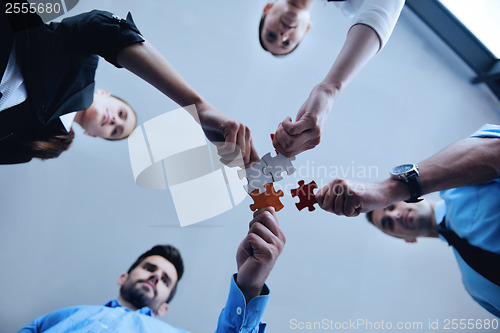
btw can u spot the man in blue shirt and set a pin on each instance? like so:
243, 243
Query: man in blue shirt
150, 283
468, 174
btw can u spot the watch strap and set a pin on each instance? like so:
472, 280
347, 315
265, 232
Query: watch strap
415, 187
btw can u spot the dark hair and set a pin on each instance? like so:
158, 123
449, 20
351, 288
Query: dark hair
168, 252
369, 216
261, 26
133, 111
47, 145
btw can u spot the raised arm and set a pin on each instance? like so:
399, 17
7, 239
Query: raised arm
471, 161
467, 162
147, 63
255, 257
371, 29
120, 43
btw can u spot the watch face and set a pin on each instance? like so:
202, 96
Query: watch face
401, 169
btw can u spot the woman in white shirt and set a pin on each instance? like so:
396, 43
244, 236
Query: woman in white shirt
283, 25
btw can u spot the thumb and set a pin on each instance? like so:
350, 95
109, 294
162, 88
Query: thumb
296, 128
320, 195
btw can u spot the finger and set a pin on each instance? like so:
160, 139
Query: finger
264, 232
357, 211
301, 147
256, 244
227, 148
270, 221
287, 119
357, 205
248, 143
314, 140
320, 196
230, 135
349, 204
303, 141
276, 239
265, 209
230, 155
254, 156
329, 200
240, 141
277, 143
232, 162
286, 144
339, 201
246, 246
300, 126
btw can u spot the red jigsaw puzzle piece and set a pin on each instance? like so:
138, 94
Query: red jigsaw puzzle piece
305, 192
269, 198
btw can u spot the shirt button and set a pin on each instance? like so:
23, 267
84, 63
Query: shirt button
239, 310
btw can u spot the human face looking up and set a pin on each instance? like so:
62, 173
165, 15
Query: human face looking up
285, 24
149, 284
107, 117
406, 220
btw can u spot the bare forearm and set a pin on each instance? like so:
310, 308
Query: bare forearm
146, 62
467, 162
361, 45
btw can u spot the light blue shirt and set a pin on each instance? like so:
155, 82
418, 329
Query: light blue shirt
473, 213
237, 316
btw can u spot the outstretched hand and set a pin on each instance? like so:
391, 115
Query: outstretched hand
233, 139
258, 252
146, 62
350, 198
291, 138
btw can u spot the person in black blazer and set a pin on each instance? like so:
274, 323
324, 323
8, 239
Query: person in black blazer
58, 63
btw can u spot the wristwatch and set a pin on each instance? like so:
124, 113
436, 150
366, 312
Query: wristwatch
408, 173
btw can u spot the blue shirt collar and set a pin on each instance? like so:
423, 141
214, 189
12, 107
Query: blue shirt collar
116, 304
439, 213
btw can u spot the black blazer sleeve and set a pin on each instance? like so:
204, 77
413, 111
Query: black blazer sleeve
12, 152
99, 32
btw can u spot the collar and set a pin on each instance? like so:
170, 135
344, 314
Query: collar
116, 304
67, 120
440, 211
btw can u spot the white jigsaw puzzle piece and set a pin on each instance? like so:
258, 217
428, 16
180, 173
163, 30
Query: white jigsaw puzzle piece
256, 177
276, 165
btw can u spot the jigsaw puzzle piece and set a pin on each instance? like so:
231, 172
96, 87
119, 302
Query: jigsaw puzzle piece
305, 192
256, 177
270, 198
278, 164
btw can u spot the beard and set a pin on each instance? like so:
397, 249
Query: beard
424, 225
135, 295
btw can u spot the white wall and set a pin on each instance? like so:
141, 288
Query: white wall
71, 226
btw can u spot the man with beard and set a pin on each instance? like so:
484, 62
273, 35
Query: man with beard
468, 218
150, 284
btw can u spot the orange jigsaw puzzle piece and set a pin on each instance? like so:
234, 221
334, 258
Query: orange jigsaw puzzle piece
269, 198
